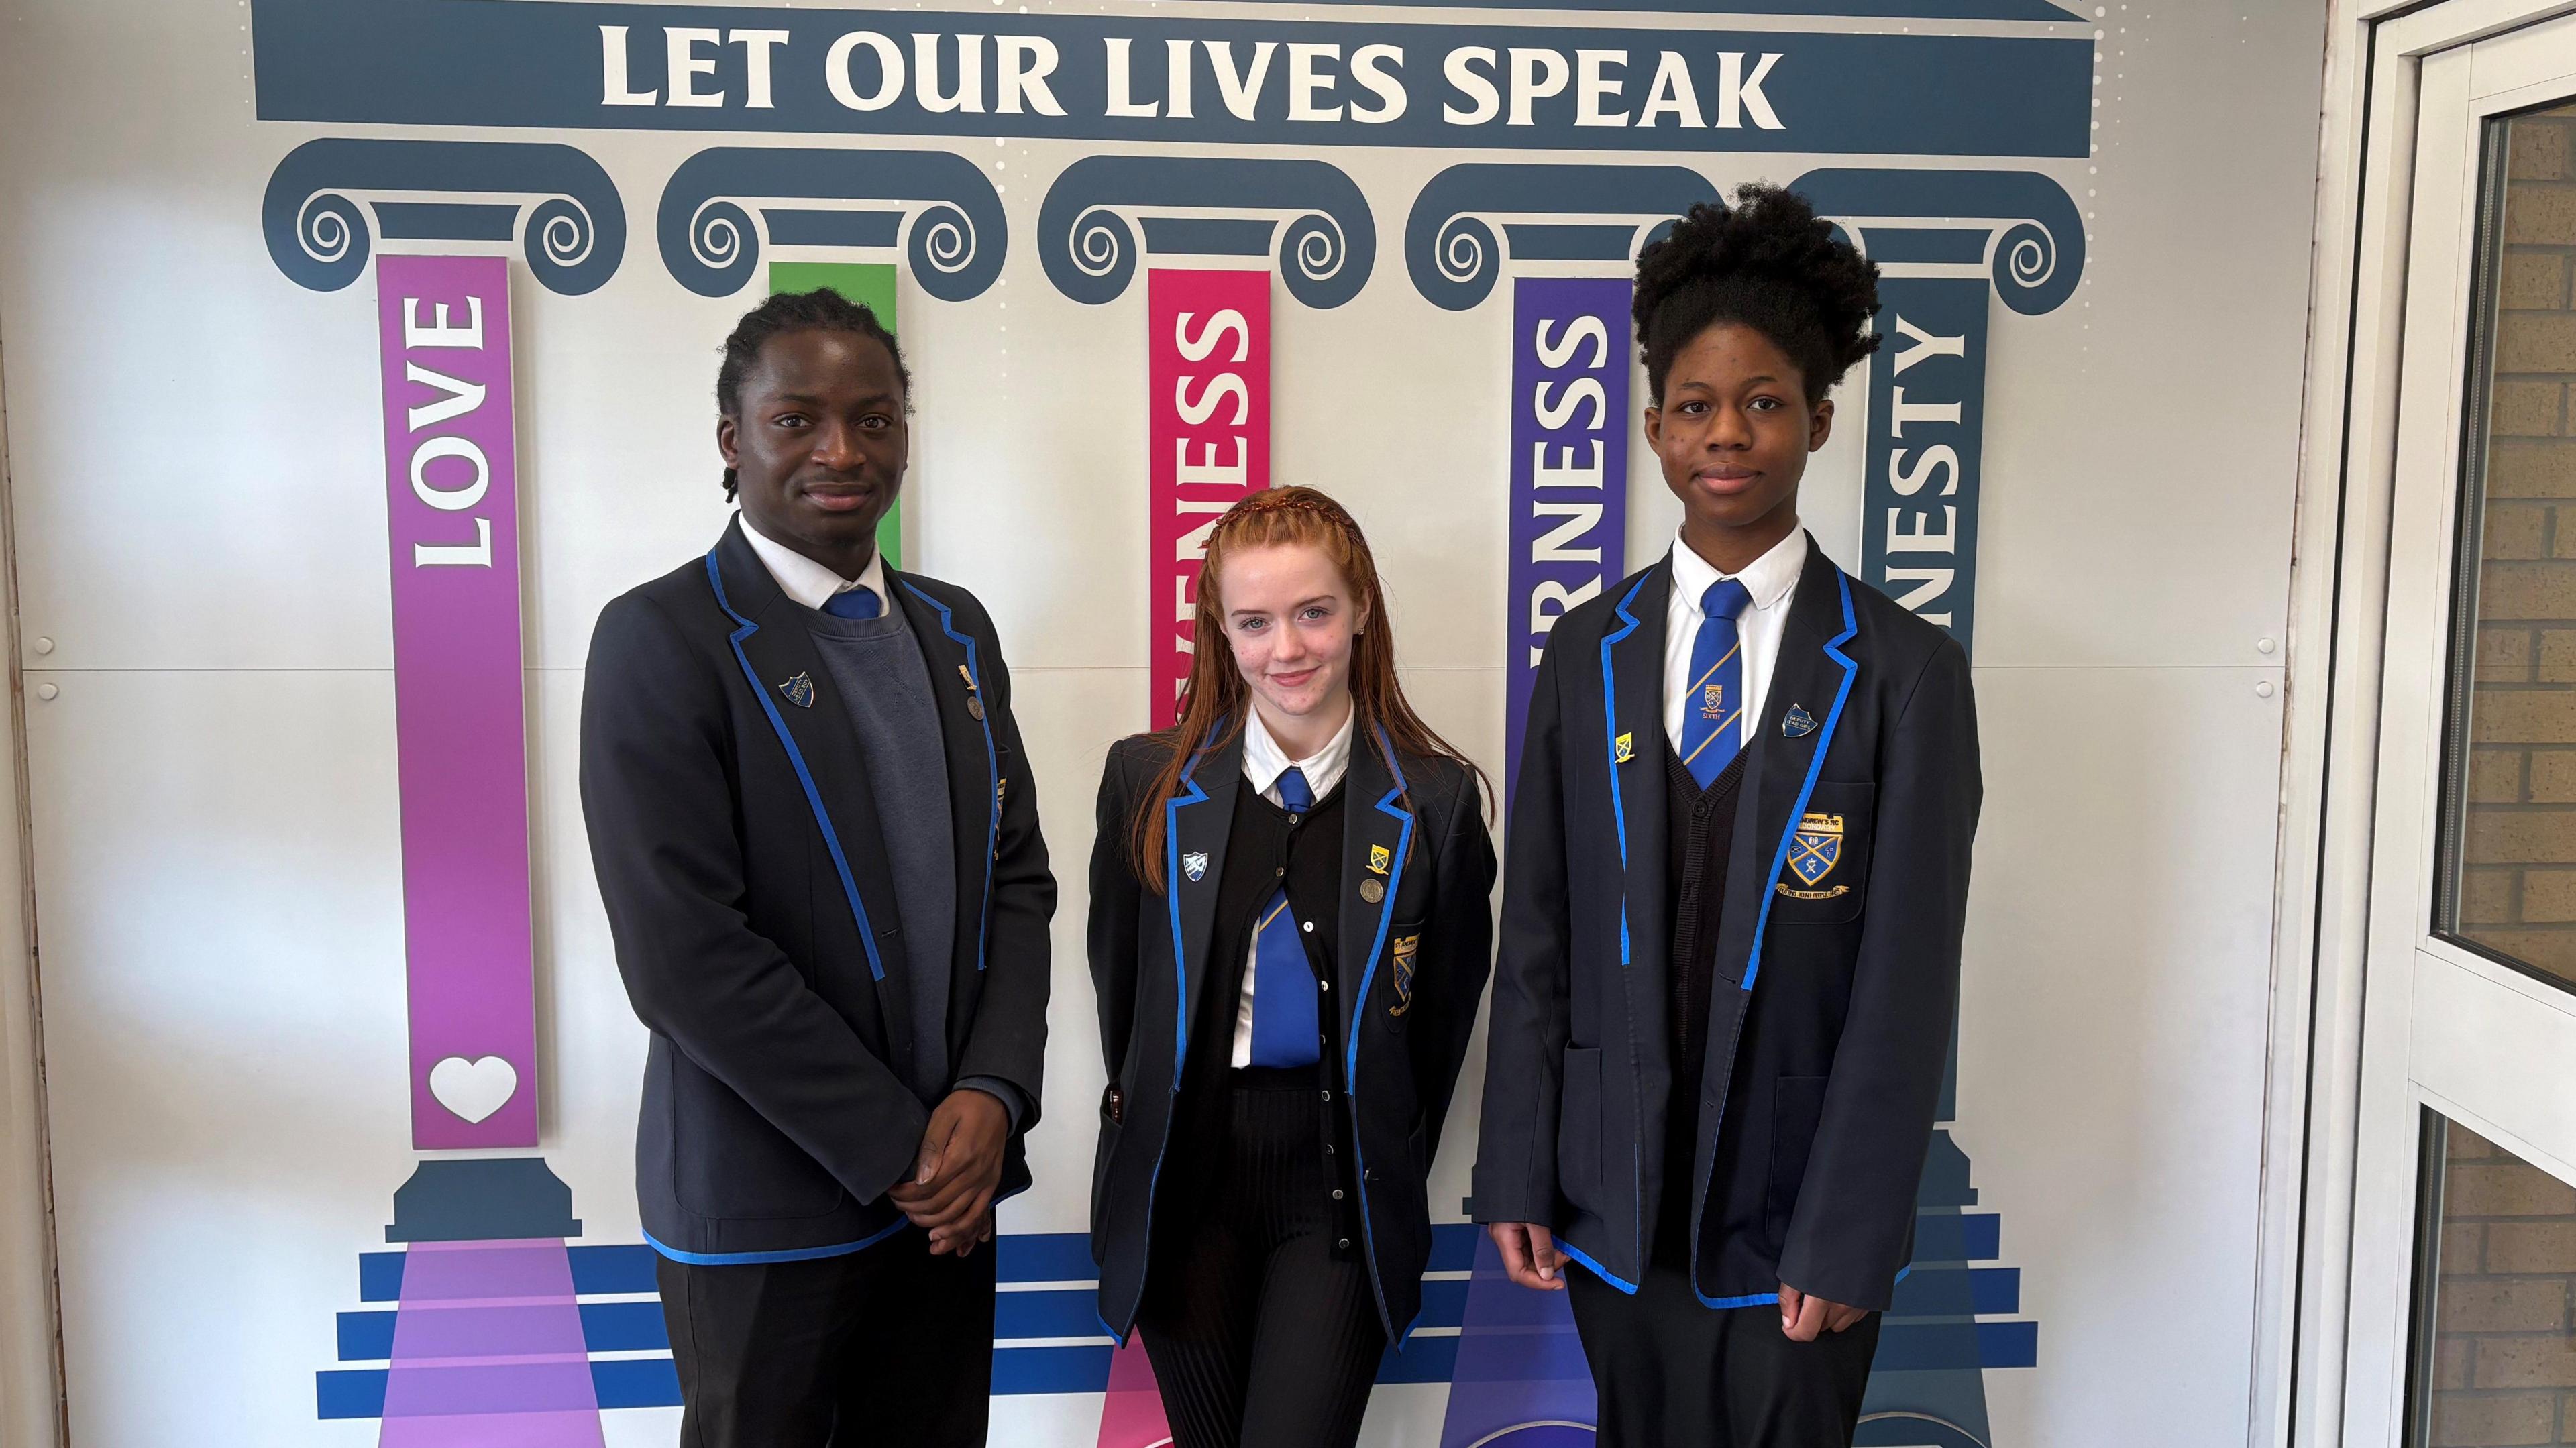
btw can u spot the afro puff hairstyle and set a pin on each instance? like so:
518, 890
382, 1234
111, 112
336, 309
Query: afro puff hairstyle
820, 310
1770, 263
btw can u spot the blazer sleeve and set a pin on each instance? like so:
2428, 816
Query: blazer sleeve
660, 804
1008, 1040
1855, 1216
1457, 955
1116, 912
1515, 1178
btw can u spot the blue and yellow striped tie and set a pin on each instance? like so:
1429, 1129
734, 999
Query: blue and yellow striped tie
1713, 713
1287, 1027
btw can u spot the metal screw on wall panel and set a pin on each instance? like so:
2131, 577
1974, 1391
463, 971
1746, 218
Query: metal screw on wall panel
2263, 646
44, 646
46, 691
2263, 690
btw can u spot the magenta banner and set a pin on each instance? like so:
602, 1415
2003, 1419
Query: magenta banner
451, 492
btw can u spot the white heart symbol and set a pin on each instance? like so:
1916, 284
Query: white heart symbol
474, 1089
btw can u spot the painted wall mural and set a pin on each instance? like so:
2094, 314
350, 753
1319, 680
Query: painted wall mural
576, 1334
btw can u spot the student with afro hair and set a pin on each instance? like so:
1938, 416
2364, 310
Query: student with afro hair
1736, 879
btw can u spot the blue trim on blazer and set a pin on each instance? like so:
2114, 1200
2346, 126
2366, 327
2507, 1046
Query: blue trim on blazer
1815, 767
796, 758
1604, 1273
1180, 971
1610, 743
1751, 1299
1359, 1014
798, 1254
992, 771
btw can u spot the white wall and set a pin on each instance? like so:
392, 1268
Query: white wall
195, 458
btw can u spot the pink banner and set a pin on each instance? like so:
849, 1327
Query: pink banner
451, 490
1207, 438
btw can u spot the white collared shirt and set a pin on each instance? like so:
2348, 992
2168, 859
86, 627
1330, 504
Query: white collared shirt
809, 582
1772, 580
1263, 762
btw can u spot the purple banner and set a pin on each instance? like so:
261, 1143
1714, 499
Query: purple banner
451, 491
1570, 424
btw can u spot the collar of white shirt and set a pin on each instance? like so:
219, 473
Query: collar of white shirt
1264, 761
1769, 578
809, 582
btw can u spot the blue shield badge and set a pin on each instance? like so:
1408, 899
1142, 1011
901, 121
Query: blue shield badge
1817, 845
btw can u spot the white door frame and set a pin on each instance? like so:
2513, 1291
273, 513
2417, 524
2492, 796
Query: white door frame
31, 1384
2308, 1327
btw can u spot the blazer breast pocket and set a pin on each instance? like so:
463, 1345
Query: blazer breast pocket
1825, 874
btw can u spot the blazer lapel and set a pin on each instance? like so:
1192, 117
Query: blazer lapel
1377, 836
781, 663
1808, 680
974, 781
1195, 825
1633, 656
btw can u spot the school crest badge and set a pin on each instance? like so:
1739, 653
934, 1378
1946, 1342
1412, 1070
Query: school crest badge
1379, 859
1713, 701
1621, 750
1194, 864
799, 691
1816, 847
1405, 947
1798, 723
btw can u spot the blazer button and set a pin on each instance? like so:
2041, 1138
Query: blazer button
1337, 1194
1344, 1244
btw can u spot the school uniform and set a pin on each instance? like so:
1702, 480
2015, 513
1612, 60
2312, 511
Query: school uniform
1284, 1024
1723, 999
814, 833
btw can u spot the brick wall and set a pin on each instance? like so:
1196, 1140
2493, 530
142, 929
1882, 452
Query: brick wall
2504, 1353
2518, 885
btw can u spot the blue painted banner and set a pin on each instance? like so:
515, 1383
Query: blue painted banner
1569, 467
1127, 78
1927, 405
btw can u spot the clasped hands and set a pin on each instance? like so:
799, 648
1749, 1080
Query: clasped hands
950, 1192
1532, 1259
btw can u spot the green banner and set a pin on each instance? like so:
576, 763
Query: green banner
871, 285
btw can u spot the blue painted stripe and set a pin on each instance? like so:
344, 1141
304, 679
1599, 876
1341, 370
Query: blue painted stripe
804, 776
636, 1383
349, 1393
365, 1337
380, 1277
992, 769
624, 1327
1994, 1289
798, 1254
1453, 1247
2008, 1344
1064, 1312
622, 1268
1815, 768
1045, 1257
1604, 1273
1386, 805
1420, 1360
1051, 1369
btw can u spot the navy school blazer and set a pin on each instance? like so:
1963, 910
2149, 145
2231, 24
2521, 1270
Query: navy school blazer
1400, 1060
1825, 1060
753, 908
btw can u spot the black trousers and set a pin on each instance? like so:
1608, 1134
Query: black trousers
1674, 1374
885, 1346
1260, 1324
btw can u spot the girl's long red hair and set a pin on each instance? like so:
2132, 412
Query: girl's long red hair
1216, 694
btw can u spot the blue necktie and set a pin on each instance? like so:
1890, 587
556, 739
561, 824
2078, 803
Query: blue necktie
854, 603
1284, 1022
1713, 710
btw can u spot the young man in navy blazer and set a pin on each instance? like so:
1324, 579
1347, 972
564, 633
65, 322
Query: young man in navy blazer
811, 818
1737, 874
